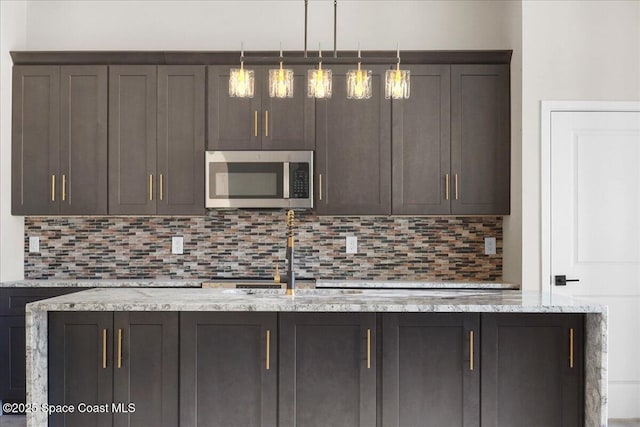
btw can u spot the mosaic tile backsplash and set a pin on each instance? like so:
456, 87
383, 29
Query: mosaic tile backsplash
227, 243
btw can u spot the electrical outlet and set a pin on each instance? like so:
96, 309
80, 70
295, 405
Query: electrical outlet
489, 245
352, 245
34, 244
177, 245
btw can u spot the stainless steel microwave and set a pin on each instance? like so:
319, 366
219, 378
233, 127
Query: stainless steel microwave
259, 179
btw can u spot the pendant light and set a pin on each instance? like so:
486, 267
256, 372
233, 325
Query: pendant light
397, 82
281, 81
241, 80
319, 81
359, 82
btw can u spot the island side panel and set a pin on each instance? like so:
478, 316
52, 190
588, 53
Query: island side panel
596, 375
37, 364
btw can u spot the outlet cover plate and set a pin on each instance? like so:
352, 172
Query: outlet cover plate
489, 245
177, 245
352, 244
34, 244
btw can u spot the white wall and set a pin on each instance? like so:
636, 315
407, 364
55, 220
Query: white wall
583, 50
12, 37
262, 25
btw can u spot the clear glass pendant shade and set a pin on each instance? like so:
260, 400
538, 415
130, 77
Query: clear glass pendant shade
397, 84
319, 83
281, 83
241, 83
359, 84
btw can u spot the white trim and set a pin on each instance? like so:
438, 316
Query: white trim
546, 110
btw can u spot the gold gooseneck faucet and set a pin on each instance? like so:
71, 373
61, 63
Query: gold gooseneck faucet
290, 278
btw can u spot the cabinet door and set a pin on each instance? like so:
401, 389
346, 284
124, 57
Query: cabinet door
228, 365
146, 368
35, 141
233, 123
83, 140
480, 139
12, 358
528, 375
80, 366
327, 370
430, 370
181, 140
288, 123
421, 132
353, 150
132, 139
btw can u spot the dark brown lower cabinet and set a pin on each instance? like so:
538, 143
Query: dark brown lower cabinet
110, 360
532, 370
228, 369
327, 370
430, 370
12, 337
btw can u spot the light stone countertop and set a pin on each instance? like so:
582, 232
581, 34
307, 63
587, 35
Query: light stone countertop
196, 283
321, 300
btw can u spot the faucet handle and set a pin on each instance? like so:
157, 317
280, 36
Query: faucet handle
276, 277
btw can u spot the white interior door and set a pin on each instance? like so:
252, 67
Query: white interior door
595, 232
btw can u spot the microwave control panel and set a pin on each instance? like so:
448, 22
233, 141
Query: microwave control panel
299, 180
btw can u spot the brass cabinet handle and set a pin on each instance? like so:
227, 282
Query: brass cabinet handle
150, 187
268, 364
64, 185
53, 188
266, 123
455, 179
161, 189
119, 348
471, 350
255, 123
368, 348
320, 186
571, 348
446, 186
104, 349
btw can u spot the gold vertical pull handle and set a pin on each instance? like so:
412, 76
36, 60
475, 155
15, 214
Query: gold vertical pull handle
104, 349
161, 187
119, 348
255, 123
53, 188
266, 123
446, 186
571, 347
150, 187
64, 187
268, 363
320, 186
455, 184
368, 348
471, 350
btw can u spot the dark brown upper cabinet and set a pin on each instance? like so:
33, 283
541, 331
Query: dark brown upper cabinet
421, 143
156, 139
59, 140
480, 139
261, 122
353, 150
451, 141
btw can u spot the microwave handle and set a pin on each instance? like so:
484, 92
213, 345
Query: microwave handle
285, 181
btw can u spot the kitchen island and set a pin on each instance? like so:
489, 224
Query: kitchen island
381, 302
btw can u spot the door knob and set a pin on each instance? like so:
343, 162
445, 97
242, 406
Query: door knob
562, 280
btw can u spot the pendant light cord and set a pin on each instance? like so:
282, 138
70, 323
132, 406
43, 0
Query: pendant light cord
306, 14
335, 27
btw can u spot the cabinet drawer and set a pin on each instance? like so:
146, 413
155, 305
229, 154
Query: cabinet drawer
14, 300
